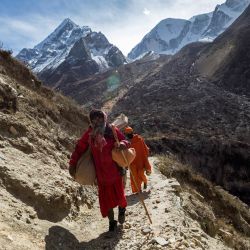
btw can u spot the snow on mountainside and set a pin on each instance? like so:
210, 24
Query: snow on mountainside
56, 48
170, 35
165, 32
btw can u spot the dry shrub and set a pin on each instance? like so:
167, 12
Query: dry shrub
44, 102
6, 54
18, 70
171, 167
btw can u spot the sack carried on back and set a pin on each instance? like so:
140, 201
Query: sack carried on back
85, 169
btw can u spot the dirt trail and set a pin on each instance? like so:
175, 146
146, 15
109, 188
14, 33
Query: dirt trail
171, 228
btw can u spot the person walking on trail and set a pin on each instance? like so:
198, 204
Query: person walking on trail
99, 137
140, 165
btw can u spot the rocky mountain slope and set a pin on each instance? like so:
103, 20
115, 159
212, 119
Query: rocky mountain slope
205, 124
170, 35
172, 101
182, 218
38, 131
43, 209
226, 60
105, 89
71, 52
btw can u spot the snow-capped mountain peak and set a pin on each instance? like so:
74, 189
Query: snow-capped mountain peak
61, 34
170, 35
66, 21
236, 5
169, 28
56, 47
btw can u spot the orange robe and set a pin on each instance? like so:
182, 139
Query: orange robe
140, 163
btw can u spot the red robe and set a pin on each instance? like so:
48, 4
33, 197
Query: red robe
110, 186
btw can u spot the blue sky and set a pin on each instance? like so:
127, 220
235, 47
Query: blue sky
24, 23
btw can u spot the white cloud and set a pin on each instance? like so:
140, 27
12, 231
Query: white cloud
146, 12
20, 26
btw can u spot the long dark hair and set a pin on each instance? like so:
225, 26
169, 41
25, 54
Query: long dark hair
108, 133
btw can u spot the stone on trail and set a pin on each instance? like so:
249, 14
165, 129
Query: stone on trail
146, 230
161, 241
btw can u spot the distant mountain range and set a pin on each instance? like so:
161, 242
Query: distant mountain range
71, 52
170, 35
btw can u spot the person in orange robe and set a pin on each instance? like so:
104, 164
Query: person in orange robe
140, 165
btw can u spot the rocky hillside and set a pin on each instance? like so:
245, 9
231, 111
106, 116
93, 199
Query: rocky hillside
170, 35
70, 53
38, 131
226, 61
205, 124
174, 104
43, 209
103, 90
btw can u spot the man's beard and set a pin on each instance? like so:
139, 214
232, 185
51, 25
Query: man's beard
97, 135
99, 129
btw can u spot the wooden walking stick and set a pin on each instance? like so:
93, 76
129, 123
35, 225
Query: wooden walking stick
124, 157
